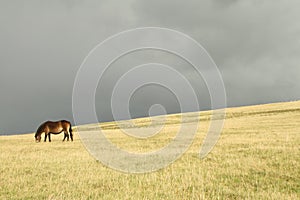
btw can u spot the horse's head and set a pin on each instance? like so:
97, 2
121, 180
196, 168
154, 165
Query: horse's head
37, 138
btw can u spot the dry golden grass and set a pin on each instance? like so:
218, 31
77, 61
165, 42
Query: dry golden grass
256, 157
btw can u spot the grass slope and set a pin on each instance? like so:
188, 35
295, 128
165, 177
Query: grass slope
256, 157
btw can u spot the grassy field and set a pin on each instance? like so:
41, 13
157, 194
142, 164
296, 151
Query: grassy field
256, 157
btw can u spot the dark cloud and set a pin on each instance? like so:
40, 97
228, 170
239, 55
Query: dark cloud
254, 43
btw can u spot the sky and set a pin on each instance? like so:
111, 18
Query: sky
254, 43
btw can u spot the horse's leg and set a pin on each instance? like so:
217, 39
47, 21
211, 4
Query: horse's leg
67, 134
45, 137
49, 137
64, 137
71, 134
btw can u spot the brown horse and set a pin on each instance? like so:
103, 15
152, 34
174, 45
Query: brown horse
55, 128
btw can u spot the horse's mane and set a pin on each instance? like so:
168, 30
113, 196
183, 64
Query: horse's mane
40, 129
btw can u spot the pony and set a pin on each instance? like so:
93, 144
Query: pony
57, 127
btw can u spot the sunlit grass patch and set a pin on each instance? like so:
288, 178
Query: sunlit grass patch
256, 157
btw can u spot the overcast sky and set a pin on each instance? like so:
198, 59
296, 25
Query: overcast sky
255, 44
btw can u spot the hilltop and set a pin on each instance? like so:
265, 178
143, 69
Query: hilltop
257, 157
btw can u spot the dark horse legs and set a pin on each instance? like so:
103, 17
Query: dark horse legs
49, 138
66, 136
71, 135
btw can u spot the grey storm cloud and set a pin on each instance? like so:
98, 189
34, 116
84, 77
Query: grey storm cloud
255, 44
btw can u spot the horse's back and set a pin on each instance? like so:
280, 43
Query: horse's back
65, 123
62, 124
57, 122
